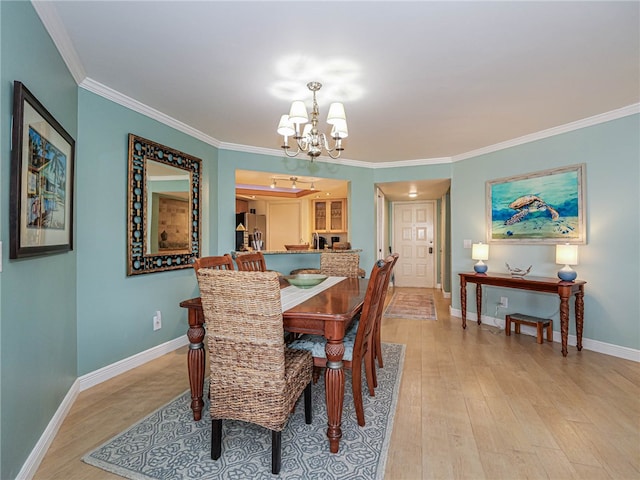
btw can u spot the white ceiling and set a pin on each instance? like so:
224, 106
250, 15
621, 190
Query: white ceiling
419, 80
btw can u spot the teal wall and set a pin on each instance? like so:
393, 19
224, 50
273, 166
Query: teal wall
115, 311
38, 321
609, 262
66, 315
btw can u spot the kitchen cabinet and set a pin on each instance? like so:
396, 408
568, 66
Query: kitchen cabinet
330, 216
242, 206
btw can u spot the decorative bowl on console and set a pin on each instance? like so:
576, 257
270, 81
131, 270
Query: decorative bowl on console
518, 272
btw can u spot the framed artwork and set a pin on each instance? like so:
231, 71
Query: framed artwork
41, 184
543, 207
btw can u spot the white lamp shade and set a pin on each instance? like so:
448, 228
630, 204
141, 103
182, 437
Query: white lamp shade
339, 129
307, 130
480, 251
285, 127
567, 254
298, 112
336, 113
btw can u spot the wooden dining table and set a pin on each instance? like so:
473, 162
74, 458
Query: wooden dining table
328, 313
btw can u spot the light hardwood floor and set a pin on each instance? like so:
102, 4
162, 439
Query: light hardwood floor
473, 404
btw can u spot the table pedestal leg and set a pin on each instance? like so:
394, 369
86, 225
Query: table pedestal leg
463, 301
479, 302
564, 319
195, 361
579, 316
334, 391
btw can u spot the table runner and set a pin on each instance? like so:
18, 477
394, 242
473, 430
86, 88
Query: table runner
291, 296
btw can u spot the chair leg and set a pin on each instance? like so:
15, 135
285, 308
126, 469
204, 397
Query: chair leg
316, 374
374, 373
307, 404
276, 445
378, 348
216, 438
370, 372
356, 386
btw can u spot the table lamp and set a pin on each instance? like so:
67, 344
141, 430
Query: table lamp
567, 255
480, 252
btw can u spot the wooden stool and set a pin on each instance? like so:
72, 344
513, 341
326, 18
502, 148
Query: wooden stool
522, 319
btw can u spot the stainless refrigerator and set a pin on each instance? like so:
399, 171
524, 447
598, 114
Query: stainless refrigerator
251, 222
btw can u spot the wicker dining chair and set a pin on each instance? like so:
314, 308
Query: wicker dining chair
221, 262
358, 340
254, 377
377, 344
340, 264
251, 262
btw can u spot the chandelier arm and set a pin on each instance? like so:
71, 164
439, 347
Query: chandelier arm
291, 155
329, 152
336, 146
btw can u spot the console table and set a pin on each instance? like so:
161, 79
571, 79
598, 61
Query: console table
537, 284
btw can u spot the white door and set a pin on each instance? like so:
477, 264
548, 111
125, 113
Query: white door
413, 239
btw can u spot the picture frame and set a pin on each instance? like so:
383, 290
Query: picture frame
545, 207
41, 180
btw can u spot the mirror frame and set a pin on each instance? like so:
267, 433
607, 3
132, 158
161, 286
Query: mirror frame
138, 262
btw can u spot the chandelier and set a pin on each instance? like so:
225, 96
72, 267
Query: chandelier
310, 140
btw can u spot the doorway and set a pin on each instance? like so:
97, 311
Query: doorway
414, 239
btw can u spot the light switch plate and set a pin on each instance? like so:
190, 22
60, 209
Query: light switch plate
467, 243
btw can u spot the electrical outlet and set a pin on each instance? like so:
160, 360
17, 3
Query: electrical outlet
504, 302
157, 321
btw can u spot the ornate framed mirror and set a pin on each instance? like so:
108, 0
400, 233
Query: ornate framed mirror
163, 208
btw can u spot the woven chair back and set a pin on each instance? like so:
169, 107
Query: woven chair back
340, 264
243, 316
222, 262
251, 262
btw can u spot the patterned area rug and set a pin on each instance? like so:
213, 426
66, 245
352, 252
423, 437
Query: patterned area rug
168, 444
418, 305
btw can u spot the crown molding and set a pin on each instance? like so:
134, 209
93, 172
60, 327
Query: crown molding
411, 163
53, 25
278, 153
128, 102
551, 132
136, 106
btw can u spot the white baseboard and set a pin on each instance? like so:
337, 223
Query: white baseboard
126, 364
587, 344
34, 459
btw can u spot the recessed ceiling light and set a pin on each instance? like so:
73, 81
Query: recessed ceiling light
413, 194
